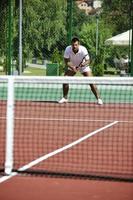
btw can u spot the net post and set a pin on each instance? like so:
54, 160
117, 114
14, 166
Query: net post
9, 127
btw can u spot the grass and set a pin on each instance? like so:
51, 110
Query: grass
30, 71
1, 70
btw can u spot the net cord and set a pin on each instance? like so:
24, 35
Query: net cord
70, 80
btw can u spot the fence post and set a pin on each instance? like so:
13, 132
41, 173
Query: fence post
69, 20
9, 36
132, 38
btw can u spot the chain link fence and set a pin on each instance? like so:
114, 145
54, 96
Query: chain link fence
3, 35
43, 32
46, 26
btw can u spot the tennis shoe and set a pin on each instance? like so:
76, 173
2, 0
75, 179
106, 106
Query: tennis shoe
63, 100
99, 101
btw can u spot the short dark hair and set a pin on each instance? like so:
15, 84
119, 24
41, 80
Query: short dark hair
75, 39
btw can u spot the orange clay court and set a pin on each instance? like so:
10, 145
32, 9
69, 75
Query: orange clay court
78, 150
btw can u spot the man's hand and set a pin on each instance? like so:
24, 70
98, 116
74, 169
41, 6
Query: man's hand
70, 65
81, 65
75, 69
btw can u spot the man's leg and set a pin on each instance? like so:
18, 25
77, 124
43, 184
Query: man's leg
65, 90
93, 88
66, 87
95, 91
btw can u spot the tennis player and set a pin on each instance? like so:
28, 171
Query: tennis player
76, 59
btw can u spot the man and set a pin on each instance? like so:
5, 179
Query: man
124, 65
76, 58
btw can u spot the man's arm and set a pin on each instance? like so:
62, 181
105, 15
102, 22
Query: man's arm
84, 63
69, 64
86, 58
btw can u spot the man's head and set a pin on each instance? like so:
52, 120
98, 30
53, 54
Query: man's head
75, 44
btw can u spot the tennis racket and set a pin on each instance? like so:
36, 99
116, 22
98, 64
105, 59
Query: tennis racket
81, 61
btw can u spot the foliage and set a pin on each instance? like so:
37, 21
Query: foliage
44, 29
88, 39
3, 26
43, 24
58, 58
79, 17
117, 13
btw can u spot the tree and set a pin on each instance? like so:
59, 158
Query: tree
117, 14
79, 18
88, 38
43, 26
3, 26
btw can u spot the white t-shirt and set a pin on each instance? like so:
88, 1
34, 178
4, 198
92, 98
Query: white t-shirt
76, 59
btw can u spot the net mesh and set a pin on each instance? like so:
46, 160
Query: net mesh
3, 97
78, 138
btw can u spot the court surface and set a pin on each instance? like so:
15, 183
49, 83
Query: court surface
40, 188
76, 138
49, 188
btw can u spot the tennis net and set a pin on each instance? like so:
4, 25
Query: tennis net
79, 138
3, 105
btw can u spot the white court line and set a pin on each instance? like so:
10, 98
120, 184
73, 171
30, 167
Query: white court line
42, 158
5, 178
68, 119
